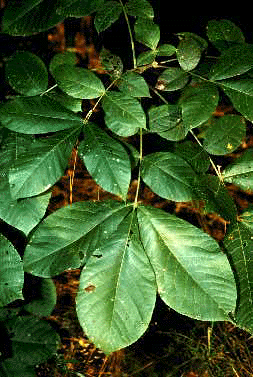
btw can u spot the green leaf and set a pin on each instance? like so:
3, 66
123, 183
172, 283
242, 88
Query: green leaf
247, 218
216, 198
240, 172
139, 8
166, 121
241, 94
11, 273
107, 15
78, 8
43, 298
10, 368
37, 115
233, 62
166, 50
172, 79
27, 73
78, 82
71, 103
36, 170
193, 275
225, 134
146, 57
27, 17
106, 160
224, 33
198, 103
239, 243
134, 85
117, 291
169, 176
33, 340
64, 58
70, 235
194, 154
111, 63
123, 113
23, 214
147, 32
188, 53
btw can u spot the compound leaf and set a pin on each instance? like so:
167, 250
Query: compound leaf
224, 135
240, 172
11, 273
117, 291
123, 113
193, 276
37, 115
36, 170
169, 176
106, 160
78, 82
27, 73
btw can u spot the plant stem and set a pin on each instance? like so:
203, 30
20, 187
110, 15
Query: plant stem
130, 34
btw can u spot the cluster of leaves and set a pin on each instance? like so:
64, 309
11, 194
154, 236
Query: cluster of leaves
128, 252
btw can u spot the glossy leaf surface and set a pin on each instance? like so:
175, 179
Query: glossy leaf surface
147, 32
193, 275
139, 8
107, 14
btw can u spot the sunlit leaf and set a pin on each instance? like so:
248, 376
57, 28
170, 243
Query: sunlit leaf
193, 275
139, 8
240, 172
147, 32
107, 15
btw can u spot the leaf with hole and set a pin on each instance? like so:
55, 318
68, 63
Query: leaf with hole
169, 176
193, 276
27, 73
123, 114
11, 273
224, 135
106, 160
37, 115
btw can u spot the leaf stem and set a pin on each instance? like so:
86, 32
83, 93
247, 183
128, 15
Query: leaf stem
130, 34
